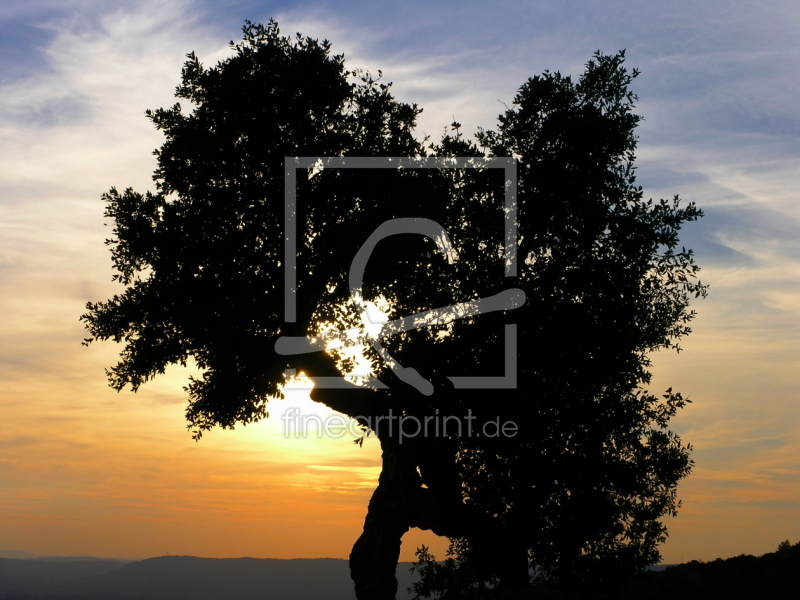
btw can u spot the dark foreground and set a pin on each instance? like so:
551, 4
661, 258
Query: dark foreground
773, 575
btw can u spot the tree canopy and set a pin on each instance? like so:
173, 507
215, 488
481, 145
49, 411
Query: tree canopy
582, 479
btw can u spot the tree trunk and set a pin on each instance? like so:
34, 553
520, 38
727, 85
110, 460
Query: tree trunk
374, 558
399, 502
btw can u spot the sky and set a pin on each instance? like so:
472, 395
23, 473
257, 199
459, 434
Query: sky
85, 470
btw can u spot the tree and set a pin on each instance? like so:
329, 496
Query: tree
202, 262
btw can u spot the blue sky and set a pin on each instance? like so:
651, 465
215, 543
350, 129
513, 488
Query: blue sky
719, 92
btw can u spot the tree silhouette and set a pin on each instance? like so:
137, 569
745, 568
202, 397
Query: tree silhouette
573, 467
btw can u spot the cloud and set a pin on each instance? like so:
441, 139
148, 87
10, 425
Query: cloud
71, 128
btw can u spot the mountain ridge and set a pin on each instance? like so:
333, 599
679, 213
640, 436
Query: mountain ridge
181, 578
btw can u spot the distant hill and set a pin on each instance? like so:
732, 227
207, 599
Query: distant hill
773, 575
43, 578
182, 578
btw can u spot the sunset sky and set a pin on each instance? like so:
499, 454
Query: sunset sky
85, 470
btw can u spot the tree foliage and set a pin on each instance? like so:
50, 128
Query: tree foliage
582, 486
201, 256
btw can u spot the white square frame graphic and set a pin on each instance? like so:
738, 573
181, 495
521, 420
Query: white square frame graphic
509, 166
